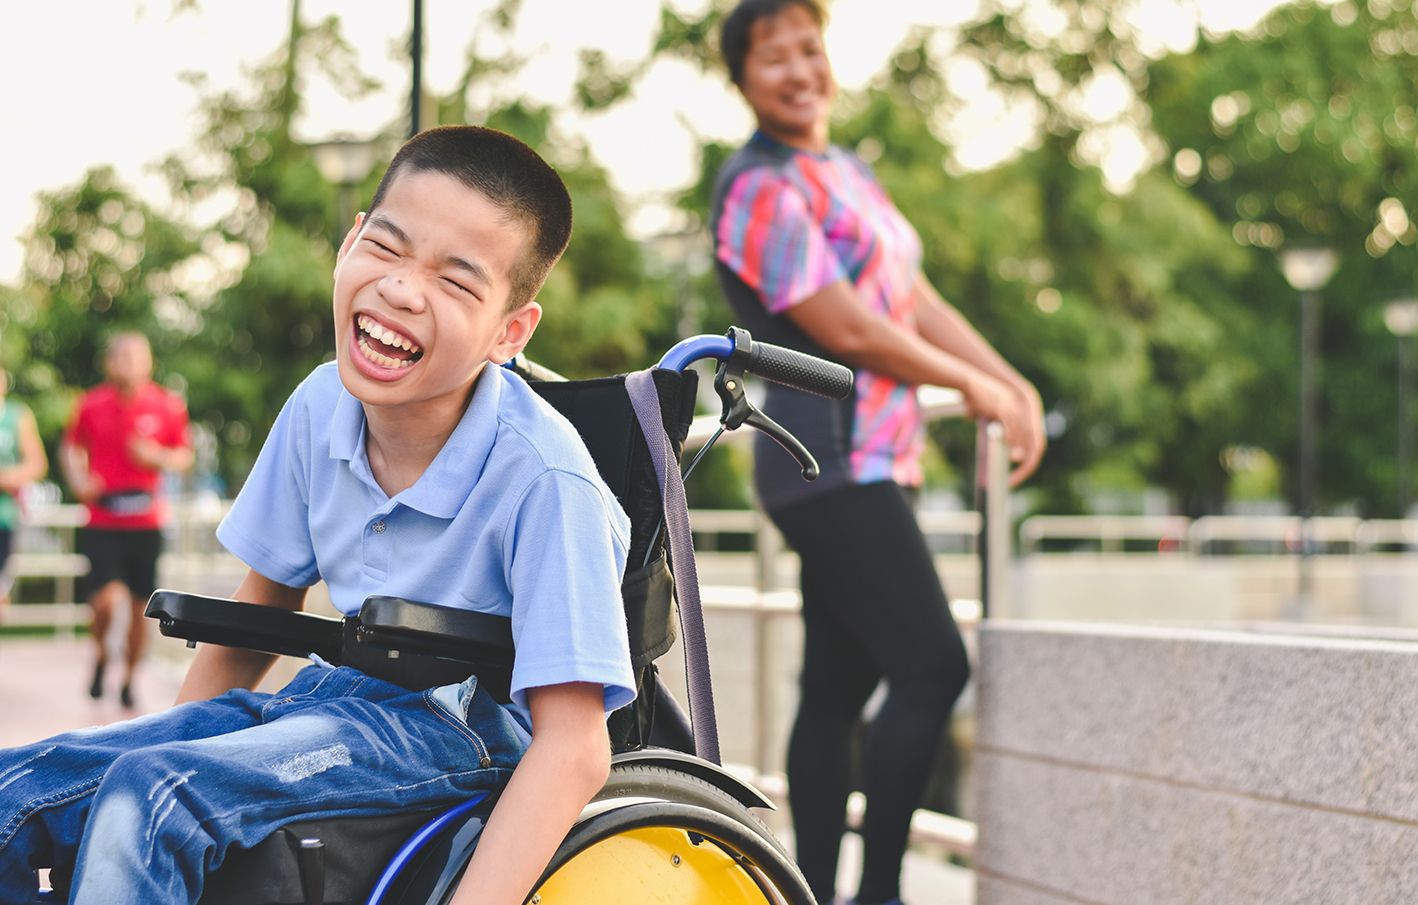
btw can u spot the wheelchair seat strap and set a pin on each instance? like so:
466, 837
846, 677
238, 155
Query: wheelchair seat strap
645, 400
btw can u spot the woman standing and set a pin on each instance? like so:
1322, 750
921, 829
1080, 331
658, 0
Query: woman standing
812, 254
22, 461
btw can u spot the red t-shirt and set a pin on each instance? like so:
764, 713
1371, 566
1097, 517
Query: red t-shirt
104, 421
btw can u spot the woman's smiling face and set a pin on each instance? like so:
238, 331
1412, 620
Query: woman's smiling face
787, 78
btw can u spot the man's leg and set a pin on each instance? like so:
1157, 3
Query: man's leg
140, 565
163, 818
103, 603
103, 588
46, 788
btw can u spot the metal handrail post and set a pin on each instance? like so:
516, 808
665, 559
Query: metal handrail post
995, 547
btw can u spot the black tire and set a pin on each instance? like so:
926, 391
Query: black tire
650, 781
647, 782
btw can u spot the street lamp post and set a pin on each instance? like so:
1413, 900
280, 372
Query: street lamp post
344, 162
1401, 318
1307, 269
416, 70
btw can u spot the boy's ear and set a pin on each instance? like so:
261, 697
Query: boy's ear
517, 331
350, 237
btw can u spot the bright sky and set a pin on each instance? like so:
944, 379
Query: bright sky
93, 83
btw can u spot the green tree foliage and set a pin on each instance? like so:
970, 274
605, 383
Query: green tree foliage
97, 261
243, 325
1307, 130
1153, 319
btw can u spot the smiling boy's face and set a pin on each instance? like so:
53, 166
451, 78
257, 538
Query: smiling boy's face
421, 292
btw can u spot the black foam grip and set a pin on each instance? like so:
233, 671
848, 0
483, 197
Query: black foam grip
800, 370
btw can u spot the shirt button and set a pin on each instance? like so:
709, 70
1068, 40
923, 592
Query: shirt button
379, 527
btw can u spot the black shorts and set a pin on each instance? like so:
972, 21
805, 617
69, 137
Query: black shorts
6, 540
127, 556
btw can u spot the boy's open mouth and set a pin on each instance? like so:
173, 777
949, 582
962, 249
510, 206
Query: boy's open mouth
383, 346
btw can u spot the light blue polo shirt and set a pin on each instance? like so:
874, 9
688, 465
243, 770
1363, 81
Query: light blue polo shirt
510, 518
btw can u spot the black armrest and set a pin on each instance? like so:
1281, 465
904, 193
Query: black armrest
216, 620
406, 625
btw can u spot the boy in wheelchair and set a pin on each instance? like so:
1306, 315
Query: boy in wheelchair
406, 468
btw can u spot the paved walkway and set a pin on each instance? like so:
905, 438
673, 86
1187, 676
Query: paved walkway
44, 691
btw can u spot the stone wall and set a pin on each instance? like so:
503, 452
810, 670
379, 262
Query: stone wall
1139, 765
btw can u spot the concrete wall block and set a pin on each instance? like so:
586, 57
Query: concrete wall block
1317, 721
1099, 837
990, 890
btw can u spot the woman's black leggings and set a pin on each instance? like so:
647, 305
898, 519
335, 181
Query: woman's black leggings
873, 609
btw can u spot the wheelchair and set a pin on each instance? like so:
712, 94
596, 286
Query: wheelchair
671, 825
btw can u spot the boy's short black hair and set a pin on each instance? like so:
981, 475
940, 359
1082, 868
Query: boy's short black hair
512, 176
735, 33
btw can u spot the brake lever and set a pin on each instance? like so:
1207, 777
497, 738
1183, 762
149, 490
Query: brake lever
792, 444
738, 411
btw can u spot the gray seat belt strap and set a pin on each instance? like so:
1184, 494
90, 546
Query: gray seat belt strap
645, 400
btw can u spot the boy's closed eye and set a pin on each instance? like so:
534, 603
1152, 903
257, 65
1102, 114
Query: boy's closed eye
460, 289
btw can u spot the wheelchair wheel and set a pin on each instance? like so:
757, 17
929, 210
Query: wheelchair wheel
657, 835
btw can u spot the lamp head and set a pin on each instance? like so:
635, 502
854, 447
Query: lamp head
1401, 317
343, 161
1308, 267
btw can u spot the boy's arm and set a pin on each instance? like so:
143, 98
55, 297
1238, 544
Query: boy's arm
216, 669
564, 767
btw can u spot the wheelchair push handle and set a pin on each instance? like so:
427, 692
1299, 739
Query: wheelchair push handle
789, 367
799, 370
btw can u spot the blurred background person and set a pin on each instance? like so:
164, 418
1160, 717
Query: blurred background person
22, 461
812, 254
123, 435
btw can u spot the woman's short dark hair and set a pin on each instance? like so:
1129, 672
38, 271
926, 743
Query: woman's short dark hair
512, 176
735, 33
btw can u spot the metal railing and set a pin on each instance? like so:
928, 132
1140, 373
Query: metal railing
1213, 535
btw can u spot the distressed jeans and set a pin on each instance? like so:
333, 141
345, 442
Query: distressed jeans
144, 809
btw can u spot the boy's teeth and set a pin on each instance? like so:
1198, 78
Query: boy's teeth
380, 359
375, 330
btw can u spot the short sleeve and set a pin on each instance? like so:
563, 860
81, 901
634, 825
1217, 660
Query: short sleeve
768, 237
177, 432
76, 431
268, 527
566, 556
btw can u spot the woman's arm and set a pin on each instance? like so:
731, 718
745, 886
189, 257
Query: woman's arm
835, 319
564, 767
217, 669
942, 325
33, 462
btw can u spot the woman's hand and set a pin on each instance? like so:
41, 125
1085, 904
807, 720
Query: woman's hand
1031, 450
1018, 409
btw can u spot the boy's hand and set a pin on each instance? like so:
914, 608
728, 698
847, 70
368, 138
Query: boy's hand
217, 669
565, 766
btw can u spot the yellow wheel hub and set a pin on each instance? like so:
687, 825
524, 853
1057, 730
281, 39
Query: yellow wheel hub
650, 866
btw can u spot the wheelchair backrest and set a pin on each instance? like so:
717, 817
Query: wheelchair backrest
600, 410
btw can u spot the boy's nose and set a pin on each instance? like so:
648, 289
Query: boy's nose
401, 291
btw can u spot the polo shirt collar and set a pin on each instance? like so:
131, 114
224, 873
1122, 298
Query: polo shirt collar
448, 481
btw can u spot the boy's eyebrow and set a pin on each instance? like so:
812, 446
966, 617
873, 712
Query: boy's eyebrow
476, 271
388, 226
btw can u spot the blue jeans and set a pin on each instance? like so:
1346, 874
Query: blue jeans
143, 810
